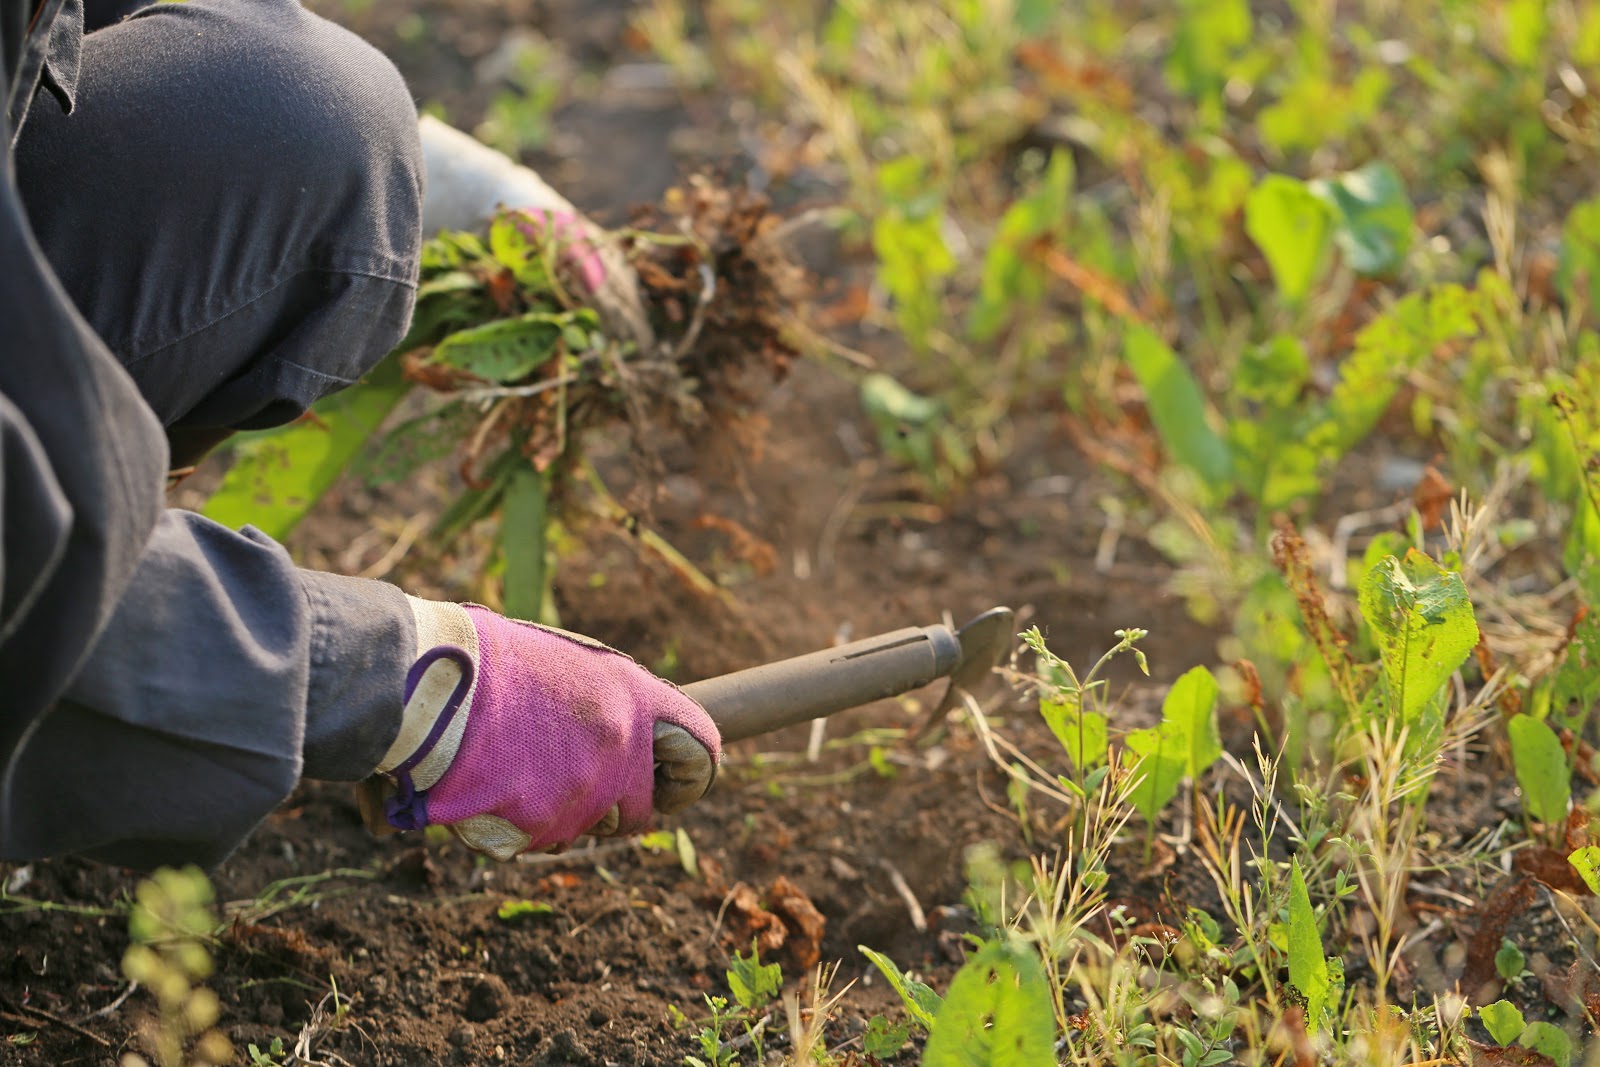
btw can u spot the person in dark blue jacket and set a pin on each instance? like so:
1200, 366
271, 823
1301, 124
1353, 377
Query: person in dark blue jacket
210, 218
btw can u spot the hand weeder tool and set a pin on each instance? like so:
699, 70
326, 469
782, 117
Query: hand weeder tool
766, 698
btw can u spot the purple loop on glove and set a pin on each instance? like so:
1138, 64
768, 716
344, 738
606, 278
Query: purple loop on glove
408, 808
577, 248
560, 731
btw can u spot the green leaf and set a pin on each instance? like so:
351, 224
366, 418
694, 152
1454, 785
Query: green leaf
1577, 682
883, 1038
1160, 757
688, 857
998, 1013
416, 442
1526, 23
518, 242
505, 350
1210, 33
1374, 225
921, 1002
1274, 373
279, 475
1191, 704
1422, 620
908, 424
1293, 229
754, 983
1578, 275
1081, 733
519, 910
1586, 861
524, 522
1178, 408
1308, 967
1503, 1020
908, 239
1386, 350
1542, 769
1012, 279
1509, 961
1547, 1039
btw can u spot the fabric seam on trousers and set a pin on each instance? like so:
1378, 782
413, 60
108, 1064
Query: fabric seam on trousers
256, 298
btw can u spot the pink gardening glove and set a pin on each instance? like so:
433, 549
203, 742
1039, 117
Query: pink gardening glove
522, 737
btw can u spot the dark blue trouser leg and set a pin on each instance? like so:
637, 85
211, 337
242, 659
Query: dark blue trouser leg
234, 204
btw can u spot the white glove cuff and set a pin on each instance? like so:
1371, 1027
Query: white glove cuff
468, 181
436, 691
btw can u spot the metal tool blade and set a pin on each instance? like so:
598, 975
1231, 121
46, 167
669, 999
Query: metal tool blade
985, 641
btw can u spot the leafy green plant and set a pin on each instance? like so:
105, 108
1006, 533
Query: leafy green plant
754, 984
1509, 962
998, 1011
271, 1056
516, 911
1422, 621
169, 926
1183, 745
1506, 1025
920, 1001
1316, 977
517, 369
1542, 769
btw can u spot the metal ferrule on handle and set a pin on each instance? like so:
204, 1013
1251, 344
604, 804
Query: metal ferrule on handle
770, 697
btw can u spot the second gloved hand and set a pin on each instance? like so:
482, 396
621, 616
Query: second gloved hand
522, 737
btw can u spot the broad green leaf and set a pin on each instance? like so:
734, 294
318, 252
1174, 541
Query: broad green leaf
1274, 373
1191, 705
1386, 350
1542, 769
1503, 1020
1577, 683
520, 243
1579, 271
1526, 24
1586, 861
909, 425
1210, 33
883, 1039
688, 855
908, 239
1548, 1039
504, 350
1422, 620
1308, 967
1178, 408
415, 442
998, 1013
1081, 733
1293, 229
1509, 961
279, 475
1159, 755
1012, 278
1373, 221
518, 910
752, 982
921, 1002
524, 518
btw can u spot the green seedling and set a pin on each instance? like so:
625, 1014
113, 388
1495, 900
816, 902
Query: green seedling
170, 925
518, 911
1316, 977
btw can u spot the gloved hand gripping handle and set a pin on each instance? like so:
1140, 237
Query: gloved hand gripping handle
770, 697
